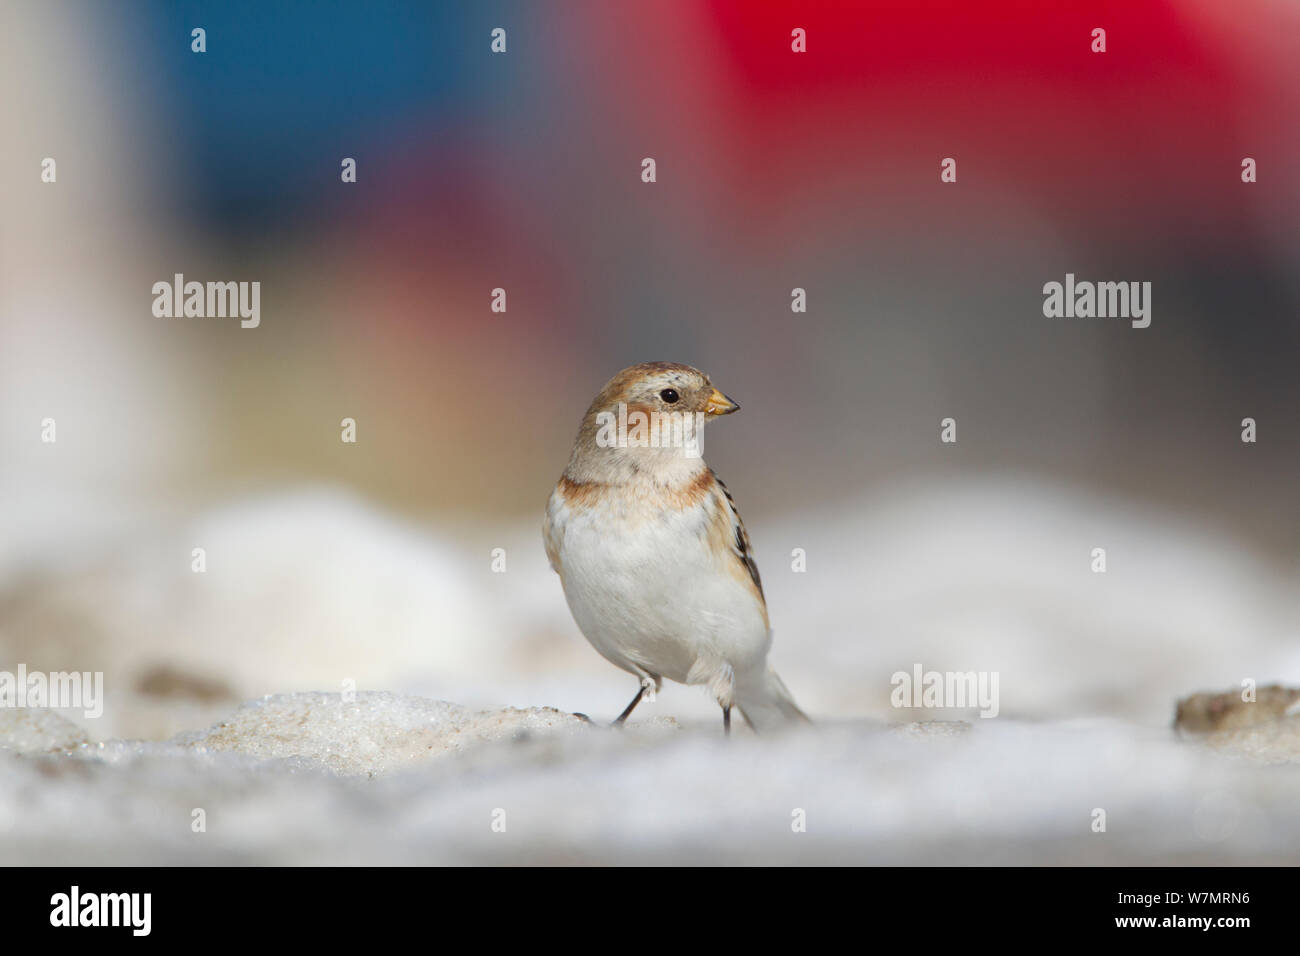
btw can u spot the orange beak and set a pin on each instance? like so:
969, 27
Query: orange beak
719, 404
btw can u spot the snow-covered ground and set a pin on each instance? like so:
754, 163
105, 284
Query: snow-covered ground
388, 779
317, 593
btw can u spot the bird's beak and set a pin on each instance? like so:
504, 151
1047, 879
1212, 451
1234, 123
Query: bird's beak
719, 404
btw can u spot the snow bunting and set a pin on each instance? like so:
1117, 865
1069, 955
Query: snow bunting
654, 559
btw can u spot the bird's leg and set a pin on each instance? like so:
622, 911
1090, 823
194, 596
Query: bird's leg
647, 690
618, 721
726, 721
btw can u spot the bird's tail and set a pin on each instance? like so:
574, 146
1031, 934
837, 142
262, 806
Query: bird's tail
765, 703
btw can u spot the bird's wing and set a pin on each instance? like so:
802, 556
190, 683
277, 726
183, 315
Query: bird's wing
553, 531
739, 540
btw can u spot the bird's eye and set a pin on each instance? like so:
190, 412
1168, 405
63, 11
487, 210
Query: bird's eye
668, 395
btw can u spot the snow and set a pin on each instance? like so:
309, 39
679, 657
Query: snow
311, 778
231, 692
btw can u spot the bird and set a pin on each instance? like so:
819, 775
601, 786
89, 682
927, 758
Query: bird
655, 562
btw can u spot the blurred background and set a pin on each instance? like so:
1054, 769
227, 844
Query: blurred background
371, 561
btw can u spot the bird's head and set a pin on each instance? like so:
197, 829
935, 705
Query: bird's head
662, 395
663, 387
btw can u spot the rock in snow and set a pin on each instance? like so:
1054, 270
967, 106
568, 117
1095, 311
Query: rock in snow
1265, 727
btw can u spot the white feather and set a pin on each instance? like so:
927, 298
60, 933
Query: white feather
650, 593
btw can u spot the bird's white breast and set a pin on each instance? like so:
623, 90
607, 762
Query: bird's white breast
650, 590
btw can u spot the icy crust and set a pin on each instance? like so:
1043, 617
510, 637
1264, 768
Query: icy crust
372, 733
25, 730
